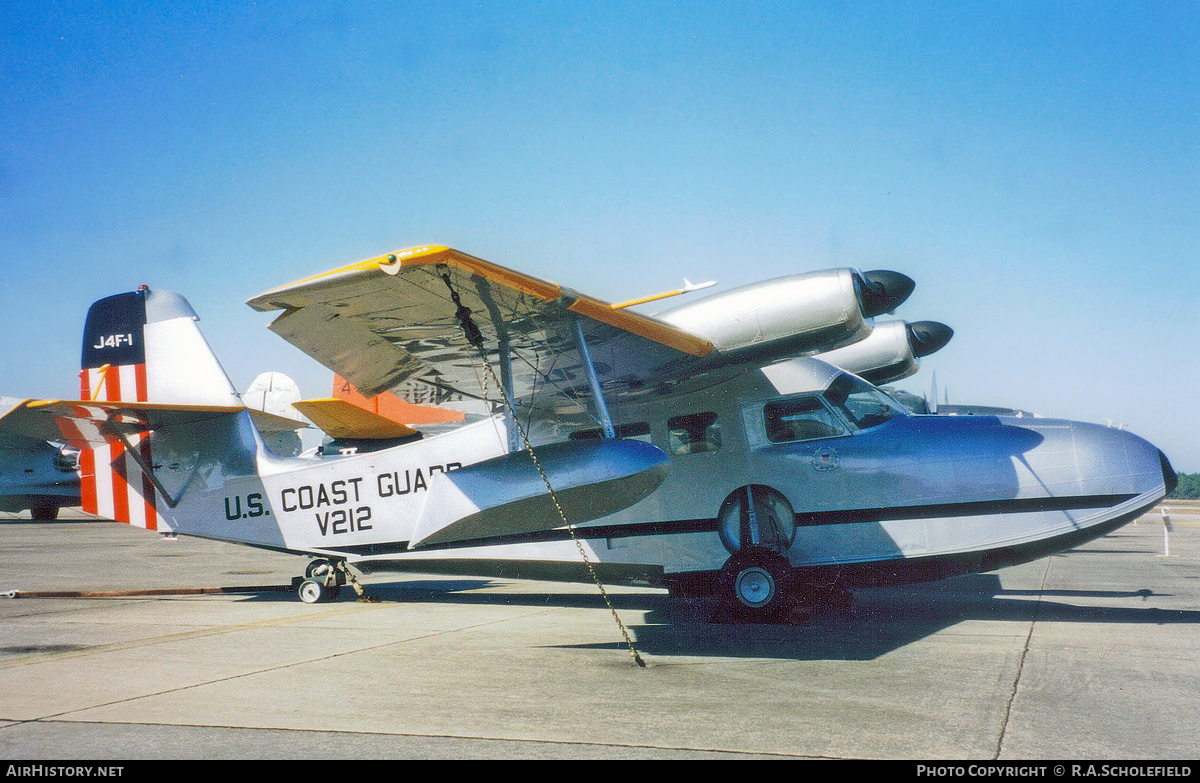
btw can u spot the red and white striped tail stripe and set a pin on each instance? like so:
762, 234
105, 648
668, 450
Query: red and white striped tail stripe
113, 485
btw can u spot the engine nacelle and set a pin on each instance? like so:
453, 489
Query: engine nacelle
799, 315
892, 350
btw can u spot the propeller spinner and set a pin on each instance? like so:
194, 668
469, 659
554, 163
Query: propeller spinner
883, 291
927, 337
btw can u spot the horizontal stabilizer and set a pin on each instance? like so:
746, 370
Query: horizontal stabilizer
343, 419
507, 495
89, 423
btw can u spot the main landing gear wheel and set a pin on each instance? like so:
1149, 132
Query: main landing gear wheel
758, 585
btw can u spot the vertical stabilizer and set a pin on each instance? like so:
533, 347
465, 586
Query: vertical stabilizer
141, 346
273, 393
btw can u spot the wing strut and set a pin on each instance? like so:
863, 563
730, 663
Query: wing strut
475, 338
506, 381
594, 383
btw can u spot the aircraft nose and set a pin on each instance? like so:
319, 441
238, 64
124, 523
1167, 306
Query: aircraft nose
1170, 477
1121, 461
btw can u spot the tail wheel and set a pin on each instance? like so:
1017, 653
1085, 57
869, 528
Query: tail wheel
315, 591
758, 584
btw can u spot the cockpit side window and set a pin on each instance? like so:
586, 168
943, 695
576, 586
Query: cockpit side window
861, 403
694, 433
801, 418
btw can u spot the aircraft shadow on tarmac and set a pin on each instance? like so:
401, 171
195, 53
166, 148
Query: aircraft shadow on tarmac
880, 620
885, 619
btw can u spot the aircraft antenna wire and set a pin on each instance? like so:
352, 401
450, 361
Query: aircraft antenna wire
475, 338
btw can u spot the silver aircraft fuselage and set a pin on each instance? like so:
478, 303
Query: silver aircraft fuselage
874, 494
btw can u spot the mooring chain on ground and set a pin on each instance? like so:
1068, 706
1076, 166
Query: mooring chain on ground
475, 338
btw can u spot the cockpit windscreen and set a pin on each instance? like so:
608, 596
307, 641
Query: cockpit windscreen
863, 404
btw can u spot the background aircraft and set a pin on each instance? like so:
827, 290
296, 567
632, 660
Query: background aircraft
35, 475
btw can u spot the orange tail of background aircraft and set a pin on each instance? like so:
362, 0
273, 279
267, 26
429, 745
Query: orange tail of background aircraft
392, 407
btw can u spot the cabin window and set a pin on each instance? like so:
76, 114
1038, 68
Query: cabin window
861, 403
634, 430
801, 418
693, 433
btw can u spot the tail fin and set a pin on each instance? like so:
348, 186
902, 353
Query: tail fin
141, 346
269, 398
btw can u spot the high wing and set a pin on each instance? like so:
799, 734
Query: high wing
391, 320
397, 321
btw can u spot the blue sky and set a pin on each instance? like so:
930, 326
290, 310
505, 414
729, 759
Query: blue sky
1035, 167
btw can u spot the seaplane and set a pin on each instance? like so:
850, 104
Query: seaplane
735, 446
